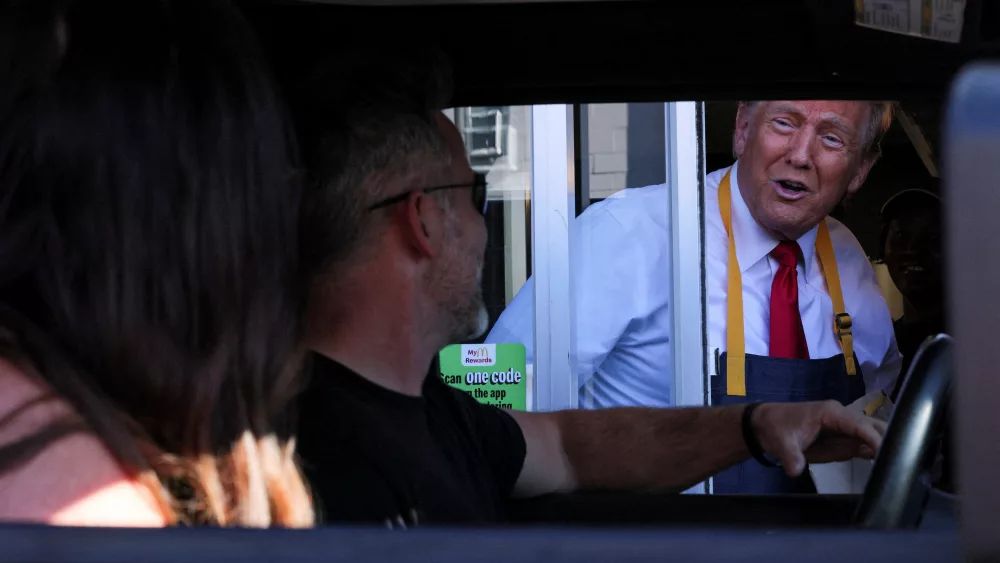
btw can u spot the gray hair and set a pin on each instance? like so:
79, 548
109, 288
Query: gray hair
366, 128
879, 120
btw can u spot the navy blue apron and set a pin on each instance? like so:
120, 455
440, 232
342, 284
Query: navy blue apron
744, 378
781, 380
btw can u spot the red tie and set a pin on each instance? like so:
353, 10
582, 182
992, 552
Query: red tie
788, 339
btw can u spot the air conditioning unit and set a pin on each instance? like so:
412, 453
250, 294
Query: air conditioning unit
490, 140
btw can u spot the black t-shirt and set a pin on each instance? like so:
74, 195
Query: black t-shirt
376, 456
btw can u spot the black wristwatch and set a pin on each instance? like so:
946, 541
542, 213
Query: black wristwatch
750, 437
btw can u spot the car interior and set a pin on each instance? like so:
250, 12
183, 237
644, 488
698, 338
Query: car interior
558, 87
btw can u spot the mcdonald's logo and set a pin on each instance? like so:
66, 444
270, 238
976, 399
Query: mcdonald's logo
479, 354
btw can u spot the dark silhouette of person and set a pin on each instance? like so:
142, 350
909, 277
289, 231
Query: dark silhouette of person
912, 249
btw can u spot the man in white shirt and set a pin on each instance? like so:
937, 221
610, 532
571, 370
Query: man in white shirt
796, 160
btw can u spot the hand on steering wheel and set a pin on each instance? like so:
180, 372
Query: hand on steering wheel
817, 432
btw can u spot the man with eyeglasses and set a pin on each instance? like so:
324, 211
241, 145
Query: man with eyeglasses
395, 234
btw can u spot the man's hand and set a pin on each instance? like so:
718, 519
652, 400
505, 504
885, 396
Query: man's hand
820, 432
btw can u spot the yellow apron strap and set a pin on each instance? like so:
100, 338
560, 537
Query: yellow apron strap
736, 381
842, 321
874, 406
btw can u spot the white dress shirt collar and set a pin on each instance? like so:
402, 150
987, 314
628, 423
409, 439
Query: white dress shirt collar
753, 243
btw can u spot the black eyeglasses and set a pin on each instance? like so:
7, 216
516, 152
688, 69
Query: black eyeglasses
478, 186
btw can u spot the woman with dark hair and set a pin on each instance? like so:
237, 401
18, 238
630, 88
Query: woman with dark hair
149, 280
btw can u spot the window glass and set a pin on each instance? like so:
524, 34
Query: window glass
620, 205
498, 143
622, 272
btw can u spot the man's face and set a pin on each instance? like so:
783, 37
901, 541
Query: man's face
799, 159
457, 280
913, 254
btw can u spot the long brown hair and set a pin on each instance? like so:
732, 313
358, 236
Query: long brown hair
148, 247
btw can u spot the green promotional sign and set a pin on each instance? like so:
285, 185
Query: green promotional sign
494, 374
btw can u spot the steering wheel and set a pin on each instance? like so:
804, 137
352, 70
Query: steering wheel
899, 486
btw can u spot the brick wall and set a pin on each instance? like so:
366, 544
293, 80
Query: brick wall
607, 140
